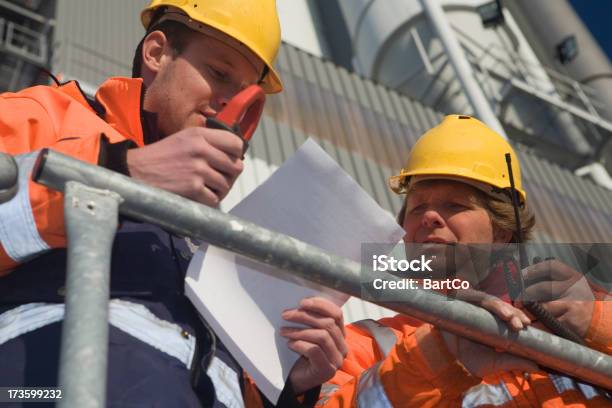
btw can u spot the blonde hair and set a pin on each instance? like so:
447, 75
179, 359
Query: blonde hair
503, 219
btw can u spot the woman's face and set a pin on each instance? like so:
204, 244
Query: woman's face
446, 212
444, 216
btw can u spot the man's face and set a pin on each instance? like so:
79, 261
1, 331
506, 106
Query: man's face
197, 83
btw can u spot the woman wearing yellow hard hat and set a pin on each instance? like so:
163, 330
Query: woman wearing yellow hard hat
463, 186
195, 58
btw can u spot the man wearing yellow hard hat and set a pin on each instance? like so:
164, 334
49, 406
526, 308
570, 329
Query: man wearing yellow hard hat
195, 57
459, 191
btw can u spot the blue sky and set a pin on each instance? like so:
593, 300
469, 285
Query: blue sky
596, 16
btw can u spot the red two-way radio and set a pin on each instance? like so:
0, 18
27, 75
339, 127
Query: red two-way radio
241, 115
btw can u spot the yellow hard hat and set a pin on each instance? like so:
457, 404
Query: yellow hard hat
253, 24
462, 148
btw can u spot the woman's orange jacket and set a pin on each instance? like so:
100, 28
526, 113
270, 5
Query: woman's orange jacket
417, 370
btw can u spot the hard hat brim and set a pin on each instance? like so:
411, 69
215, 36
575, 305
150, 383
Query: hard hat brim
402, 183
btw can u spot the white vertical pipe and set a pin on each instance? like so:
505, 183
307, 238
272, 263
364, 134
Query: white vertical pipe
460, 64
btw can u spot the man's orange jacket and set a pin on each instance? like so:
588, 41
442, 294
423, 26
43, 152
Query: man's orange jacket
60, 118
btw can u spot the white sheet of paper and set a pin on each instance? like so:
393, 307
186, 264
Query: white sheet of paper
310, 198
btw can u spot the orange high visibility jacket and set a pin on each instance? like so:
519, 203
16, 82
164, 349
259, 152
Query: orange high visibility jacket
400, 362
63, 119
60, 118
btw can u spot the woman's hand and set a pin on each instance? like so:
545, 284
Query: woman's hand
513, 316
562, 291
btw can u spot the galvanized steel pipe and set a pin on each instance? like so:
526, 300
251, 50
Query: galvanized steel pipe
8, 177
461, 66
188, 218
91, 223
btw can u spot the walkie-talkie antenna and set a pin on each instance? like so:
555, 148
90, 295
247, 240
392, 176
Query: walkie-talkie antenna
534, 308
522, 261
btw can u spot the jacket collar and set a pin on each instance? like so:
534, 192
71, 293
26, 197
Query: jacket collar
118, 102
121, 100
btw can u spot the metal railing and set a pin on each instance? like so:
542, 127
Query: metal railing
8, 177
537, 80
93, 198
571, 91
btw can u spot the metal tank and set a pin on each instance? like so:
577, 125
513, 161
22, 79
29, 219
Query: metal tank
395, 43
562, 41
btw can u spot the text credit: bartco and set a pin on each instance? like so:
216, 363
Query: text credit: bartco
410, 274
